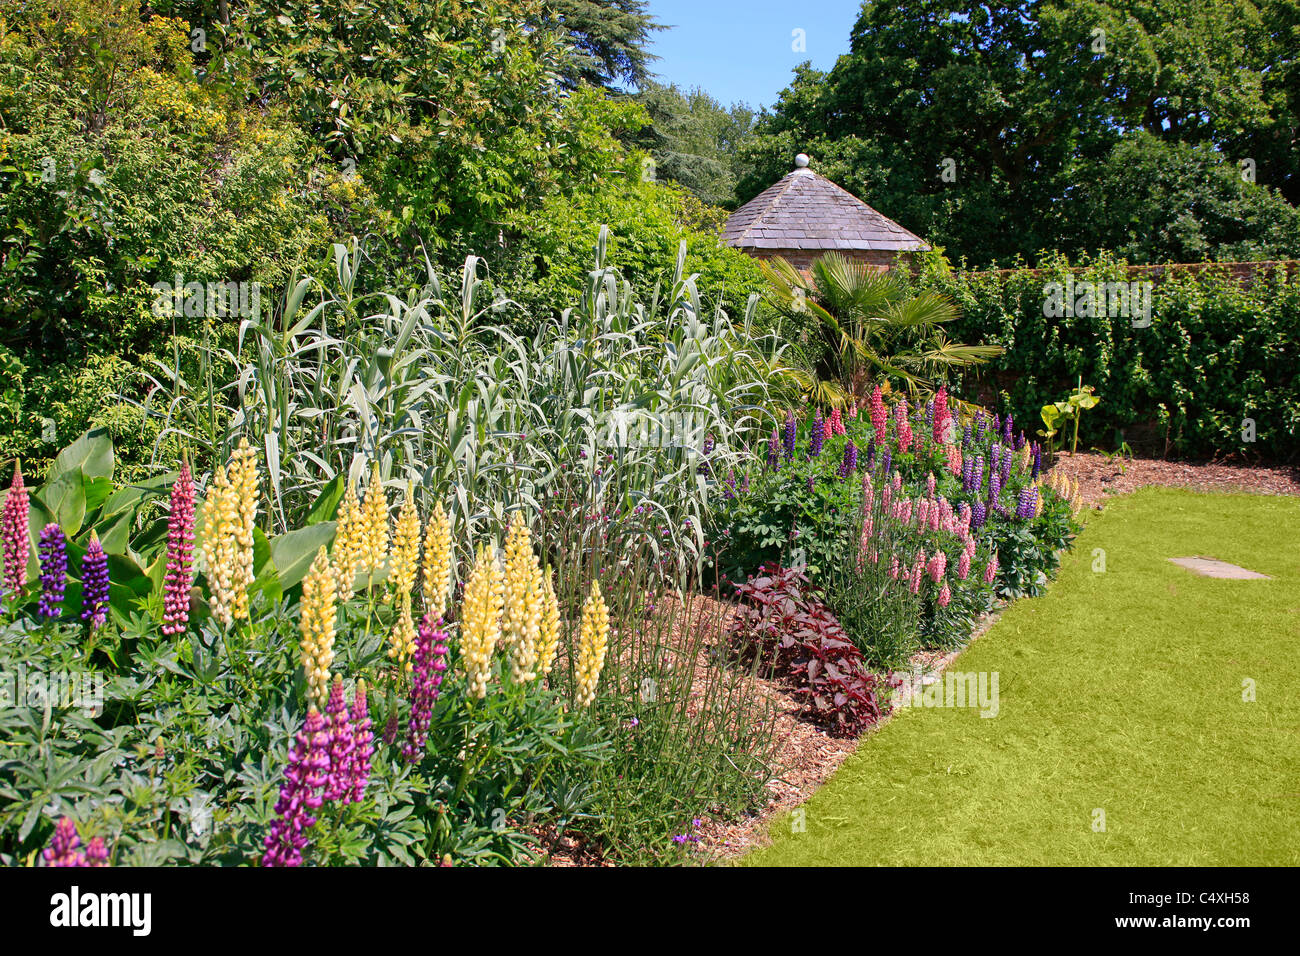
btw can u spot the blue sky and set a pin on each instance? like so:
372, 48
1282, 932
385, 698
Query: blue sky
741, 49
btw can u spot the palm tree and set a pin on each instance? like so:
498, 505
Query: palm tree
873, 324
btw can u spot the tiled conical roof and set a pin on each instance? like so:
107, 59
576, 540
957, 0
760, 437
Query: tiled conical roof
807, 211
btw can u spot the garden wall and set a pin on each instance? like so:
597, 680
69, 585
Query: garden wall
1190, 360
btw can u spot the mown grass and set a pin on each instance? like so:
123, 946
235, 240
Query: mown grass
1120, 691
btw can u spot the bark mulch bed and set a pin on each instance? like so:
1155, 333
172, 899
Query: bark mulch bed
1100, 477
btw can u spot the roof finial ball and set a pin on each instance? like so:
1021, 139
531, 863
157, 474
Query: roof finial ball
801, 165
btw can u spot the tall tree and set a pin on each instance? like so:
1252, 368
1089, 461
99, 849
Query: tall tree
609, 39
977, 126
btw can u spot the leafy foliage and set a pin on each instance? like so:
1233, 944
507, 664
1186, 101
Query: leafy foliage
782, 620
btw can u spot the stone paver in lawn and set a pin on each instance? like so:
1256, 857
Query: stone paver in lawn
1214, 568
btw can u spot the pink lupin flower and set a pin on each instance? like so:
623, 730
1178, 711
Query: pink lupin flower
895, 567
929, 485
898, 482
944, 595
339, 785
936, 516
940, 427
918, 569
879, 417
14, 535
362, 743
429, 663
963, 566
902, 427
180, 549
937, 565
991, 569
835, 424
922, 513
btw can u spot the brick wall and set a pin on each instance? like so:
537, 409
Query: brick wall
802, 259
1243, 272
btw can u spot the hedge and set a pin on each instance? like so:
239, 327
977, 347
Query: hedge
1216, 353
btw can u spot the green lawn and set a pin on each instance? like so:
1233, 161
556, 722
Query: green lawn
1120, 691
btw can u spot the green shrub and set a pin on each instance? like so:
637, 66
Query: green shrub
1214, 355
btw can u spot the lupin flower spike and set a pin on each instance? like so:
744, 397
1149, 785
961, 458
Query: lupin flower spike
349, 543
437, 563
548, 641
14, 535
53, 551
94, 584
316, 621
480, 622
375, 508
592, 645
305, 778
180, 554
243, 483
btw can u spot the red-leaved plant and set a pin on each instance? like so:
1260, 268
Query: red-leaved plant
782, 619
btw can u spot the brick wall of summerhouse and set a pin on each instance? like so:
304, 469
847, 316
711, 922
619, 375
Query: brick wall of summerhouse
802, 259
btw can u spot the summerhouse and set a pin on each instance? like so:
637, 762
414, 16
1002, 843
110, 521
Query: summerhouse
804, 215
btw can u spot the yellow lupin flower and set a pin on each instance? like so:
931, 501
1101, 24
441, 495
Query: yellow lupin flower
243, 482
317, 625
401, 642
437, 563
548, 640
348, 542
521, 618
592, 644
405, 564
374, 549
480, 622
220, 516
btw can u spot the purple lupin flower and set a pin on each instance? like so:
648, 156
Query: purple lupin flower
53, 551
62, 850
966, 438
94, 584
429, 663
995, 485
97, 852
1028, 502
362, 743
304, 779
871, 454
1007, 430
1007, 456
817, 437
811, 484
1020, 441
850, 462
1038, 461
773, 452
339, 784
886, 460
978, 514
789, 434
